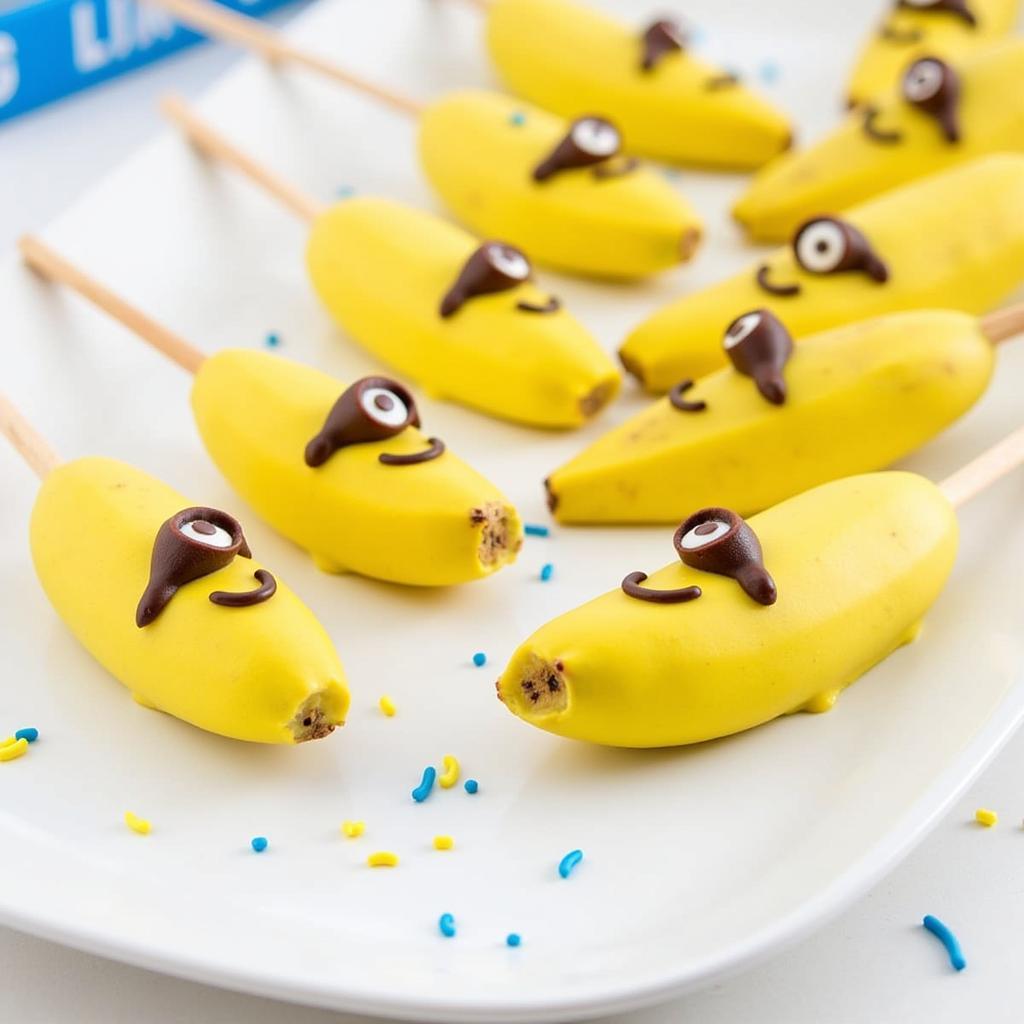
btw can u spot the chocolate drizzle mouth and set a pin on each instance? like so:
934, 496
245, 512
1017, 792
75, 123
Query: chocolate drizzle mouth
675, 397
872, 131
785, 290
958, 8
435, 451
616, 167
551, 306
245, 599
631, 588
726, 80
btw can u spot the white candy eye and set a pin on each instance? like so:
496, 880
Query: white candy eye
203, 532
703, 534
596, 138
509, 262
384, 407
741, 330
821, 247
923, 81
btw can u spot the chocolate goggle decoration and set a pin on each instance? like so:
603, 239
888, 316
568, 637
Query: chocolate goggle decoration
933, 87
590, 141
955, 7
827, 245
660, 39
717, 540
193, 543
371, 409
759, 346
492, 267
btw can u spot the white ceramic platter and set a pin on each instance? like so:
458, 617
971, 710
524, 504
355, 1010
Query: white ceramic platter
697, 861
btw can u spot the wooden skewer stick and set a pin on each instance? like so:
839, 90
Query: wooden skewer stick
1003, 323
27, 441
212, 144
42, 259
214, 20
988, 468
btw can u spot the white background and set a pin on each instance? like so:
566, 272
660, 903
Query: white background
872, 964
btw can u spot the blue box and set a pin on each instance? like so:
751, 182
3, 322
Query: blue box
52, 48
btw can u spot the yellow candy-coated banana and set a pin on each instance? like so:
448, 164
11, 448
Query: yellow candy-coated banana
857, 563
430, 524
952, 240
572, 60
898, 143
382, 270
927, 31
858, 398
266, 673
479, 150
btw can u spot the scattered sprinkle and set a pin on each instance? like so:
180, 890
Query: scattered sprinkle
273, 339
518, 118
422, 791
985, 817
479, 659
471, 786
382, 859
450, 775
30, 735
447, 925
353, 829
345, 191
546, 572
137, 824
11, 749
387, 705
259, 844
768, 72
535, 530
672, 173
568, 862
443, 842
513, 939
948, 939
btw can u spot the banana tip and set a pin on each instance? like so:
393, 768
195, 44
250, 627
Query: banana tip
631, 366
689, 242
534, 687
501, 533
318, 716
598, 397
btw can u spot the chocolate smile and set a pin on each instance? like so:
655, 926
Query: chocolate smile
436, 450
245, 599
872, 131
615, 168
631, 587
774, 289
551, 306
675, 396
723, 81
901, 36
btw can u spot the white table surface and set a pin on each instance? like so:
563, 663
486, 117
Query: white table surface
874, 963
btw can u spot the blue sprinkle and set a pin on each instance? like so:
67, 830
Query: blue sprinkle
479, 659
273, 339
259, 844
471, 786
535, 530
513, 940
518, 118
27, 734
447, 925
546, 572
422, 791
768, 72
345, 192
948, 939
568, 862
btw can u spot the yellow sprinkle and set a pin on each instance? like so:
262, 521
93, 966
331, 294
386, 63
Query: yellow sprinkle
137, 824
382, 859
443, 842
11, 748
985, 817
387, 705
352, 829
450, 775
